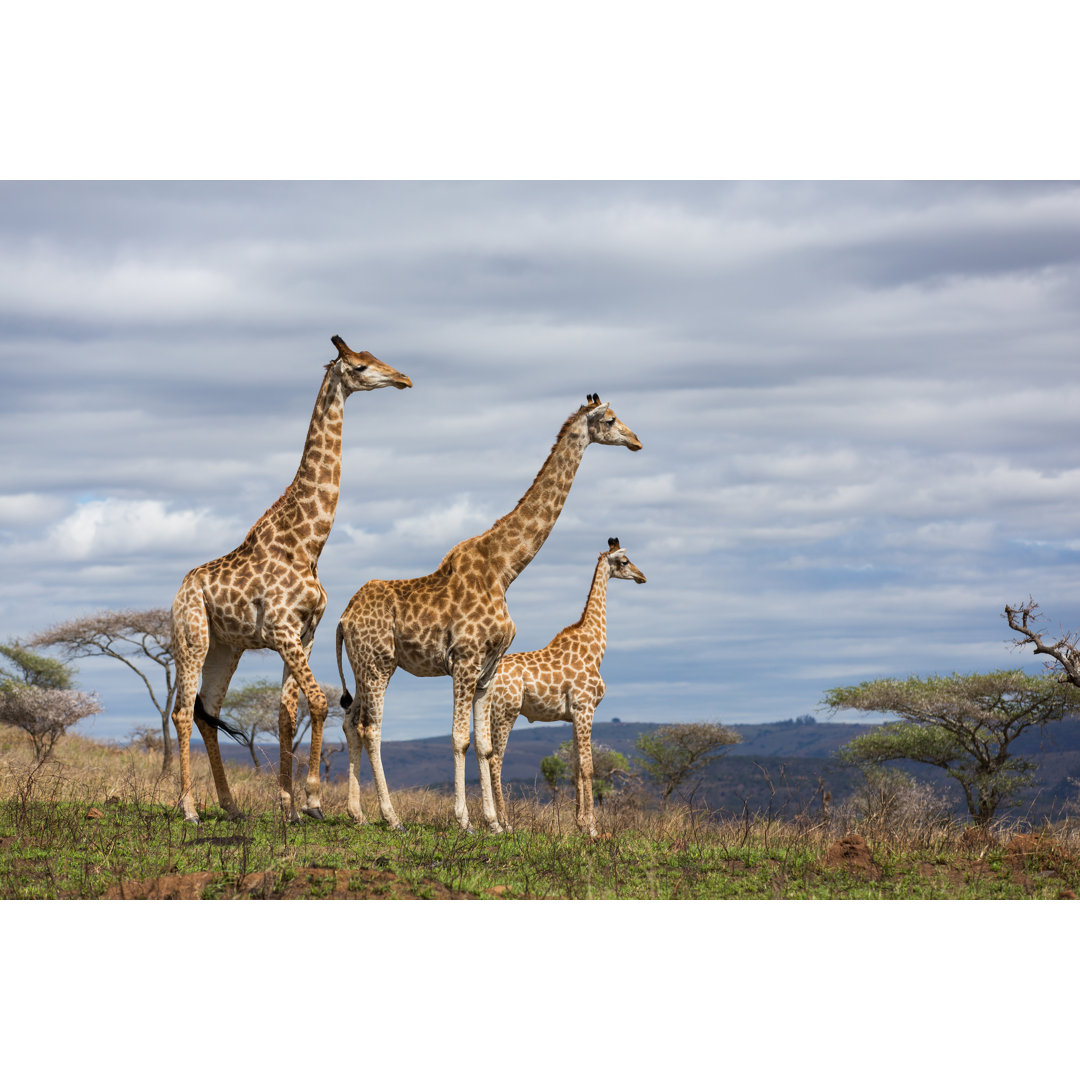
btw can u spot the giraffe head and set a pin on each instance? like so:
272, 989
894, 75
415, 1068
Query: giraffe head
606, 427
362, 371
619, 565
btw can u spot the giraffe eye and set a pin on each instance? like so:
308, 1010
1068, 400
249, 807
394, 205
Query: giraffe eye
610, 422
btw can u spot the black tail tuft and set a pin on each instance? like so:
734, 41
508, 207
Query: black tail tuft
346, 699
217, 722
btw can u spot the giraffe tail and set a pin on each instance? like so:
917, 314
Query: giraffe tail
346, 697
217, 722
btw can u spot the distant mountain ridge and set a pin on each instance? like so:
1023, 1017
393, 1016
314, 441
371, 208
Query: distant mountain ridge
427, 762
785, 766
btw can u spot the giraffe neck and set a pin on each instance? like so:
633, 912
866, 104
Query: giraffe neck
304, 514
592, 626
512, 542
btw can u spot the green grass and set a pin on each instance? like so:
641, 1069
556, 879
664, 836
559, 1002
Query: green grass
53, 850
101, 823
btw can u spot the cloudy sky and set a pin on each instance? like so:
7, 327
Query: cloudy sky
856, 402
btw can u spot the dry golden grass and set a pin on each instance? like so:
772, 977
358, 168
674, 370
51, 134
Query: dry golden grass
134, 833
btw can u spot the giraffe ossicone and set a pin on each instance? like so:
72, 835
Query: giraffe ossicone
266, 594
561, 681
455, 622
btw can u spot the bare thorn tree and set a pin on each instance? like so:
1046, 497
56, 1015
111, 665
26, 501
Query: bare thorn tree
131, 637
1064, 654
254, 707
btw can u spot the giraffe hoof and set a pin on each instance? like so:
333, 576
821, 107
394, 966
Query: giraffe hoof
314, 811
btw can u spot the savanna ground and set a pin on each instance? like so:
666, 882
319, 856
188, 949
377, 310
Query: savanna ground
98, 822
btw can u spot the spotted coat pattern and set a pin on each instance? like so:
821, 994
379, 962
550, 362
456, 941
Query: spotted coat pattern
266, 594
560, 682
455, 621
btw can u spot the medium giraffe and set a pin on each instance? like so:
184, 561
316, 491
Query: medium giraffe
455, 622
266, 595
560, 682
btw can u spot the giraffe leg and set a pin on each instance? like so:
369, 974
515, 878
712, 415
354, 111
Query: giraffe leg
502, 721
191, 640
482, 735
583, 771
371, 731
295, 657
290, 695
218, 669
369, 644
464, 689
313, 805
356, 752
183, 719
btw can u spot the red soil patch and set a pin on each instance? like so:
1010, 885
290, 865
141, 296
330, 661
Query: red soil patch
852, 853
168, 887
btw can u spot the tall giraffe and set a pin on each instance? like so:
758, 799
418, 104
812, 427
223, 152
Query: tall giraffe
266, 594
561, 682
455, 622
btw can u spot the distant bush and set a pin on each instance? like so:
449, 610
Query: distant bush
891, 802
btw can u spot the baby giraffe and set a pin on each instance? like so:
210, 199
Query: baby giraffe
560, 682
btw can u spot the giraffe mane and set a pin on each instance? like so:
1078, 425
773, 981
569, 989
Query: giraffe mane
276, 505
585, 609
576, 415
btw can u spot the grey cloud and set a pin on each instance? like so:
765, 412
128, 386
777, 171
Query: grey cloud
855, 402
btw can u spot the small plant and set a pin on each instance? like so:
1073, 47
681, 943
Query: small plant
554, 770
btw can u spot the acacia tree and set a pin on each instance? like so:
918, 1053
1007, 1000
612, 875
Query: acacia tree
132, 637
37, 698
253, 709
963, 724
671, 755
